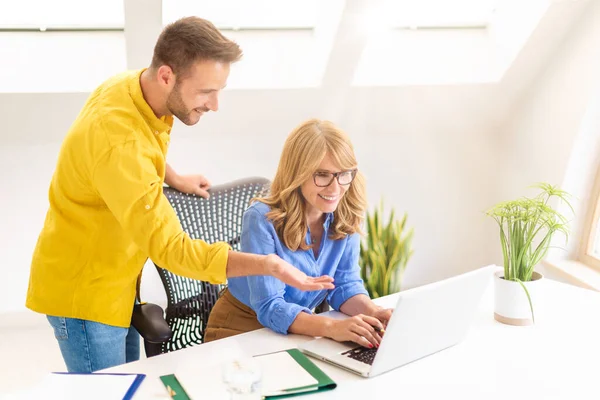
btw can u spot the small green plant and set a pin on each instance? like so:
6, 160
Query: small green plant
384, 253
527, 226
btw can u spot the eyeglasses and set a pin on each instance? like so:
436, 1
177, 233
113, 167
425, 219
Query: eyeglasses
324, 179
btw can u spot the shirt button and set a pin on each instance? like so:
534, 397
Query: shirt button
156, 132
147, 206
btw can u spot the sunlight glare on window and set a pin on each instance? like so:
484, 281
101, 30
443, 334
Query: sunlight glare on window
286, 43
61, 13
238, 14
438, 13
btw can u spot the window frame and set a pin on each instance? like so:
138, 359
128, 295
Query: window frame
586, 252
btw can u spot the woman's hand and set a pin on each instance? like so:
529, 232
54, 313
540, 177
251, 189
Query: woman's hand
383, 315
360, 329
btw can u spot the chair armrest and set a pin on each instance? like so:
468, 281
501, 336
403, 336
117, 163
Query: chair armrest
149, 321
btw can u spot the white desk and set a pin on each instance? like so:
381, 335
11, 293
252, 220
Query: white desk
558, 358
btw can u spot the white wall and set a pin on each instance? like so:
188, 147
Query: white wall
438, 153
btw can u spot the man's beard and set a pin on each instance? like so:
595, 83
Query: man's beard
176, 106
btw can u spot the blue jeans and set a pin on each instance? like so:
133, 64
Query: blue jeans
88, 346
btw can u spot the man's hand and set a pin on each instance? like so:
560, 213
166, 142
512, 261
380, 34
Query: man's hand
292, 276
192, 184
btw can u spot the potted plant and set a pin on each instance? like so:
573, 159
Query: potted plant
384, 253
527, 226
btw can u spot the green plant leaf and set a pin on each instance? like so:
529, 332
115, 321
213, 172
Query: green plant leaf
385, 252
528, 299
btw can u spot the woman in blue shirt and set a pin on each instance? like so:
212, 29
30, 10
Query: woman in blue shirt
311, 219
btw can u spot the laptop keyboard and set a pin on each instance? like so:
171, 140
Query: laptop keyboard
362, 354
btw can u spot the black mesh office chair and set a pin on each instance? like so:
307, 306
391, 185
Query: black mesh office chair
218, 218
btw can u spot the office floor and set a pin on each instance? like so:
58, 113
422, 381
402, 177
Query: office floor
28, 351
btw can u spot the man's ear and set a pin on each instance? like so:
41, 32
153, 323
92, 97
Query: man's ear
165, 76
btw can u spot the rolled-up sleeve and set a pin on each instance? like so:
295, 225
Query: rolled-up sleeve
347, 275
266, 293
128, 181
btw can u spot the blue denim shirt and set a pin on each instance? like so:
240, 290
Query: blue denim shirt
277, 304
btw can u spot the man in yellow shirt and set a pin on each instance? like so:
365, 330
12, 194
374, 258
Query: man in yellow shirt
107, 211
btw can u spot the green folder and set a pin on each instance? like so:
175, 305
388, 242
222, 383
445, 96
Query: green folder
174, 388
324, 382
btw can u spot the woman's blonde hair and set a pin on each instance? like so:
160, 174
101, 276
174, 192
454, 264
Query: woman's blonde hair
302, 153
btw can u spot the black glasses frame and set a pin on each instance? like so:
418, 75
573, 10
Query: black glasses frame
335, 175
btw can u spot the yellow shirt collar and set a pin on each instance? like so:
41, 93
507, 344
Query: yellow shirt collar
159, 125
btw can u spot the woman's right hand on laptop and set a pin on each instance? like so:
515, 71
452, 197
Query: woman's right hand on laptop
360, 329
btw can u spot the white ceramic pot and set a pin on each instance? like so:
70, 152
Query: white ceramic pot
511, 305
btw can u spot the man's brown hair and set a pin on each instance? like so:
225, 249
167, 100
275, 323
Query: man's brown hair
192, 39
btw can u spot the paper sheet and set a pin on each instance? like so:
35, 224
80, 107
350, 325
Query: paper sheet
202, 376
75, 387
280, 372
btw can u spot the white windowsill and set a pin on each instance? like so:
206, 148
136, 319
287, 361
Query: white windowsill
575, 272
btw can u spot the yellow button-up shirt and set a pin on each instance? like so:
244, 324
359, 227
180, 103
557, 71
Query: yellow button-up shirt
108, 214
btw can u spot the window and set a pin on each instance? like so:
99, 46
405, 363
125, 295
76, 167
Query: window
590, 250
595, 247
60, 45
286, 43
444, 42
61, 14
246, 15
440, 57
438, 14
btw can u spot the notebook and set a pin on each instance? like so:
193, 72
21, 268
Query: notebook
96, 386
301, 376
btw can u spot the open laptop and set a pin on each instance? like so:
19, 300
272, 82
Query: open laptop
426, 319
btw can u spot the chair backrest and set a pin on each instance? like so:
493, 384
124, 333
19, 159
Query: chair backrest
217, 219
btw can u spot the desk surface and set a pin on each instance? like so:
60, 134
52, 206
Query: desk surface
555, 359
